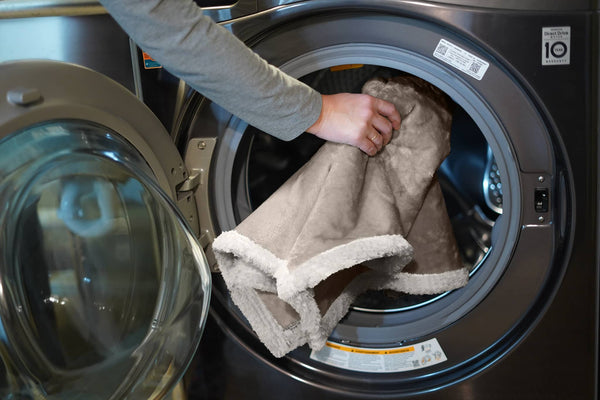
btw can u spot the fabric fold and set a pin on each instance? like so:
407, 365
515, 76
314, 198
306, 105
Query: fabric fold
345, 223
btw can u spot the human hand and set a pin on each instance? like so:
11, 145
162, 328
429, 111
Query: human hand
359, 120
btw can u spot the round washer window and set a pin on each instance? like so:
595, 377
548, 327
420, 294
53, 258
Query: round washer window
100, 275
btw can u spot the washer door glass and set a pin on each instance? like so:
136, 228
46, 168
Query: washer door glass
104, 290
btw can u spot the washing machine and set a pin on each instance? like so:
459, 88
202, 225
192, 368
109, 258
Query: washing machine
108, 216
519, 186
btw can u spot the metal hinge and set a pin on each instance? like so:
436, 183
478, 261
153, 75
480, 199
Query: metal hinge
198, 157
186, 202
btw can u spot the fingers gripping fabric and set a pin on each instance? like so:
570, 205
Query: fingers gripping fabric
345, 223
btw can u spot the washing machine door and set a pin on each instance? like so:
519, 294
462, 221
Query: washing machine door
103, 288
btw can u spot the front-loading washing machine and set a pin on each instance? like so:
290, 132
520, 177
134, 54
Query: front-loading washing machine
519, 186
87, 163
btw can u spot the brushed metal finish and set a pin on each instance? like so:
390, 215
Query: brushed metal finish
532, 5
240, 8
94, 41
46, 8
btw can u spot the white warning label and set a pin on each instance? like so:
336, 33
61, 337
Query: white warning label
556, 45
461, 59
395, 359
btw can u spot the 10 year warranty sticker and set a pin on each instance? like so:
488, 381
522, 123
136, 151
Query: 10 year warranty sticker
556, 45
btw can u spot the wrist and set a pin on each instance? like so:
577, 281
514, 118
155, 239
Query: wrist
317, 127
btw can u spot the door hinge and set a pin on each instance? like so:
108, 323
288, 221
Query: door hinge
198, 158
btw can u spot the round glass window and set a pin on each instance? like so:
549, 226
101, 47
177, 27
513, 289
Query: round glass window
104, 288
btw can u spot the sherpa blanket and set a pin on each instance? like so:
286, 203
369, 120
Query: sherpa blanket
345, 223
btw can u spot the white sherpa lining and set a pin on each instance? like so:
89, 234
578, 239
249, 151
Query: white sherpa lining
313, 271
254, 268
418, 284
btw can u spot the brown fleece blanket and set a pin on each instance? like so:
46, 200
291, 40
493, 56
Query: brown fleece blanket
345, 223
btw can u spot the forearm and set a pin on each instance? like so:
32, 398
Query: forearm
211, 60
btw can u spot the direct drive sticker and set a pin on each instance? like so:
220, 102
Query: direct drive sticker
396, 359
461, 59
556, 45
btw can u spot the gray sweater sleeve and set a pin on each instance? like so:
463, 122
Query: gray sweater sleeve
218, 65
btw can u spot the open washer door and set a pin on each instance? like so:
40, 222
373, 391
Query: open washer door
103, 288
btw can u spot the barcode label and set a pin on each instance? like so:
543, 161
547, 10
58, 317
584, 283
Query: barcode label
461, 59
475, 67
441, 50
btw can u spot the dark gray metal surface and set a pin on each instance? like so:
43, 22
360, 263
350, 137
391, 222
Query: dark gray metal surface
537, 5
46, 8
222, 10
556, 306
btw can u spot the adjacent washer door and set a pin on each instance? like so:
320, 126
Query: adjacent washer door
103, 287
